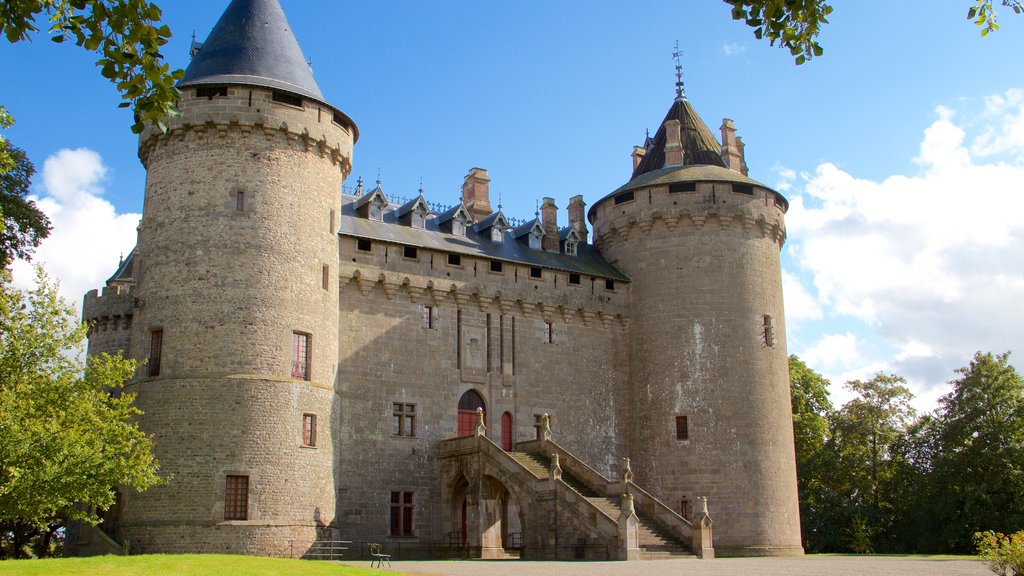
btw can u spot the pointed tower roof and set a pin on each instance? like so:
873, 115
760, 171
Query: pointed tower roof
253, 44
700, 147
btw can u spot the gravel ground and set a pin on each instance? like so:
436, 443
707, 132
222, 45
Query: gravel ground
803, 566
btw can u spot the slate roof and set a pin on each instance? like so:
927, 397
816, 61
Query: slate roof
124, 271
587, 261
699, 145
253, 44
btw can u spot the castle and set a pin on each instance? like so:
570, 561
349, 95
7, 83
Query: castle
324, 363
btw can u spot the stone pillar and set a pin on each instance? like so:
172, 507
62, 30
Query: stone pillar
673, 144
629, 530
549, 221
701, 541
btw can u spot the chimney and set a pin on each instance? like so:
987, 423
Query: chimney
731, 151
673, 144
549, 221
743, 155
577, 220
638, 155
476, 193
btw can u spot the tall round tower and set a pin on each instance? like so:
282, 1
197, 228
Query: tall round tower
709, 387
237, 298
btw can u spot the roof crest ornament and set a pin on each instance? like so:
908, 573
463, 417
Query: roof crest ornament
680, 90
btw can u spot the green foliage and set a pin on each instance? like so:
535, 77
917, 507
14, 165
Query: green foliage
23, 224
127, 36
811, 406
67, 436
191, 564
1003, 554
796, 24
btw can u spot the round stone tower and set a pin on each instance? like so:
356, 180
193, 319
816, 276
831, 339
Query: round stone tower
237, 298
709, 384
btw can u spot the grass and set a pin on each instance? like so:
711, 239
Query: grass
191, 564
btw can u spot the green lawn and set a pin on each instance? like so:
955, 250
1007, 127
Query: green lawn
192, 564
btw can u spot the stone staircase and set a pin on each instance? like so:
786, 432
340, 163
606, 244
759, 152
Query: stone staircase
655, 542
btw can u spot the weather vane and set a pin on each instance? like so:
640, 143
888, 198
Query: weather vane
680, 93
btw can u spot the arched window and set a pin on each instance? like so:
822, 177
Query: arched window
468, 404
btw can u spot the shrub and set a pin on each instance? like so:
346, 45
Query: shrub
1003, 553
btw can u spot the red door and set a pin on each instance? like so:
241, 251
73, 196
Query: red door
506, 432
468, 404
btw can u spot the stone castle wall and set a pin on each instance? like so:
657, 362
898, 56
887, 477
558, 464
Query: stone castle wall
110, 314
228, 282
706, 274
498, 321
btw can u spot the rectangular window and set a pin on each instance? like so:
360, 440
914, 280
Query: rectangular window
325, 281
401, 514
549, 333
769, 332
743, 189
427, 316
454, 260
684, 508
535, 272
682, 428
236, 498
211, 92
301, 350
609, 284
624, 197
403, 419
574, 278
496, 266
409, 252
309, 429
363, 245
286, 98
239, 201
339, 119
682, 187
333, 229
156, 341
780, 201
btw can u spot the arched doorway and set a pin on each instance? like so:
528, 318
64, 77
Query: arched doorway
506, 432
468, 404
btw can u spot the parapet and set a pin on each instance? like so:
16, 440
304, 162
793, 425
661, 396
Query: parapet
111, 309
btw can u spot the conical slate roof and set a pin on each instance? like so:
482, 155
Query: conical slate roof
253, 44
699, 144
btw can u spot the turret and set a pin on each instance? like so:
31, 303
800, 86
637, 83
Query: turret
238, 298
709, 411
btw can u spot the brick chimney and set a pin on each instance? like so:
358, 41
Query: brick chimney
577, 218
476, 194
731, 151
743, 155
673, 144
638, 155
549, 221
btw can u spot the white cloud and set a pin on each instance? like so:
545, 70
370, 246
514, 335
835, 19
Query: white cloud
88, 233
733, 48
833, 351
800, 304
932, 263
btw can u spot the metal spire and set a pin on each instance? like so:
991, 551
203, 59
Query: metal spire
680, 91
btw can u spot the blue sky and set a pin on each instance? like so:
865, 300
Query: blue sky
901, 149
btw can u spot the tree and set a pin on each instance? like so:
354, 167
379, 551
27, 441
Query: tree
811, 407
980, 469
795, 24
67, 435
23, 225
126, 34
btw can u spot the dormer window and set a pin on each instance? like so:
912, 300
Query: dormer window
458, 227
570, 247
376, 210
419, 217
535, 237
497, 234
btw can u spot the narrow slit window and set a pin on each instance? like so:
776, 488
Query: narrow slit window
549, 333
682, 428
239, 201
326, 279
156, 341
309, 430
769, 331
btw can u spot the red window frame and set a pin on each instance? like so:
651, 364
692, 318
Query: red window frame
236, 498
156, 342
402, 514
309, 429
301, 352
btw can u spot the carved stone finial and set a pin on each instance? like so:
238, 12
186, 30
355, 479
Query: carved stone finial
556, 468
702, 505
546, 423
627, 472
